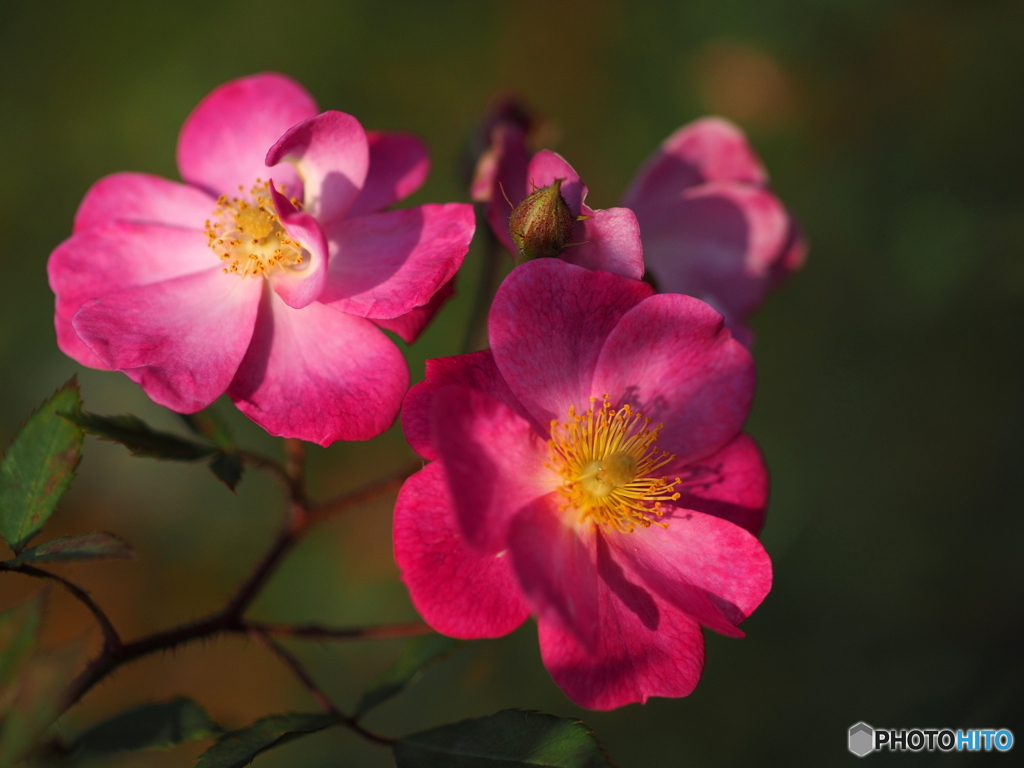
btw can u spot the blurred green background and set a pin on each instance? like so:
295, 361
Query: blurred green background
890, 370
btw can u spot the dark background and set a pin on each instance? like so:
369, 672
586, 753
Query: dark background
889, 401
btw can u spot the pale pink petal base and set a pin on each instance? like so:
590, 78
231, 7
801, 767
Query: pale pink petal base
300, 286
460, 592
331, 155
143, 199
319, 375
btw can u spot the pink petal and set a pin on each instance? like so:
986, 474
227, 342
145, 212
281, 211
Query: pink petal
673, 360
143, 199
609, 240
645, 646
731, 484
332, 156
547, 325
319, 375
493, 460
100, 260
544, 168
719, 242
386, 264
399, 164
501, 179
710, 149
554, 560
475, 370
499, 138
409, 326
715, 572
300, 287
181, 339
794, 254
458, 591
225, 139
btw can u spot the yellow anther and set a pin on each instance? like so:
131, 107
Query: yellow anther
606, 458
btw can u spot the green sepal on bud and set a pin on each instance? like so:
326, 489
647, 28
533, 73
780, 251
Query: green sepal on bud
541, 225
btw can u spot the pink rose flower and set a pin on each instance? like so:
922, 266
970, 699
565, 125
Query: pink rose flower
712, 228
505, 174
589, 469
264, 284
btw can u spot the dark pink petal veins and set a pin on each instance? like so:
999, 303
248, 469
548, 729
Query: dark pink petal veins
475, 370
554, 559
672, 359
646, 647
493, 459
547, 326
386, 264
399, 164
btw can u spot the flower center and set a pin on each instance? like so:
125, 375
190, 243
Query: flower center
606, 457
246, 233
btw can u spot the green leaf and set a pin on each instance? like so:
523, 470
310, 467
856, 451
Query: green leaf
417, 655
38, 467
36, 699
19, 630
151, 726
208, 423
239, 748
507, 739
68, 549
228, 468
139, 438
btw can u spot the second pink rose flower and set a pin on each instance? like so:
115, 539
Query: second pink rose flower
589, 469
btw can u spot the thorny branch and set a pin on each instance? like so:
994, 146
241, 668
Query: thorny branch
230, 619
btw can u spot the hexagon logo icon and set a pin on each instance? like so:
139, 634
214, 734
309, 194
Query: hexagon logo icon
862, 739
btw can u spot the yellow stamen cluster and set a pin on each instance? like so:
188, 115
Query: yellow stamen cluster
605, 457
246, 233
